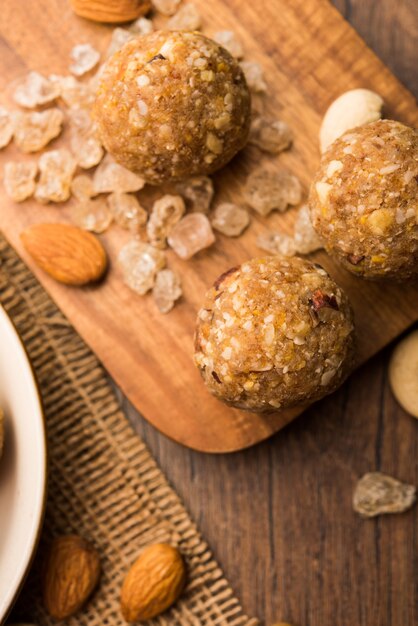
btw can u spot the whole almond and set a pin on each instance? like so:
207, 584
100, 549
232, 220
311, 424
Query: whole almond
153, 584
111, 11
72, 571
67, 253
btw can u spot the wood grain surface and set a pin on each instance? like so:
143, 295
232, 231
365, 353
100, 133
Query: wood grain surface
310, 56
278, 516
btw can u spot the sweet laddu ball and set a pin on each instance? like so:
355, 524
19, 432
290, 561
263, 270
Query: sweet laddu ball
363, 200
274, 333
172, 105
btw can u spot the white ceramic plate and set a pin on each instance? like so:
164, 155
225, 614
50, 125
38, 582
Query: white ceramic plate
22, 467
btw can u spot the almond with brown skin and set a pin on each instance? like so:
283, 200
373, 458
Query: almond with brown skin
111, 11
72, 571
153, 584
67, 253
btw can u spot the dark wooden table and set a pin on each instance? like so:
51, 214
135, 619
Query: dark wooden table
278, 517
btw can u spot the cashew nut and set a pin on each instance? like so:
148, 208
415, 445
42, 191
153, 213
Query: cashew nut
353, 108
403, 373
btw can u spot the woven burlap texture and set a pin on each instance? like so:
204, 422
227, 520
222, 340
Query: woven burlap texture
103, 483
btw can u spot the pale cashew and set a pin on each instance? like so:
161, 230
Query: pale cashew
353, 108
403, 373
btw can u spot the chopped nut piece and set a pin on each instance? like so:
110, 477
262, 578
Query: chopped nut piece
270, 135
230, 219
84, 57
140, 262
120, 37
82, 187
167, 290
228, 40
198, 193
306, 239
186, 18
165, 213
35, 130
19, 179
93, 215
110, 176
84, 144
141, 26
166, 7
190, 235
378, 493
254, 76
127, 212
7, 126
265, 191
277, 243
35, 90
57, 168
73, 93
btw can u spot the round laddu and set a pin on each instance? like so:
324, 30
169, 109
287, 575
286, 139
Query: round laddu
172, 105
274, 333
363, 200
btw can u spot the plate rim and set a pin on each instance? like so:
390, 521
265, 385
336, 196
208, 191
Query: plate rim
41, 511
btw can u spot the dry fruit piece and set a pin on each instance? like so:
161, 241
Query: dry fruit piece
254, 76
181, 110
351, 109
111, 11
270, 135
140, 262
19, 179
73, 93
7, 126
166, 7
72, 571
363, 200
57, 168
35, 90
403, 373
110, 176
67, 253
93, 215
84, 144
230, 219
153, 583
34, 131
126, 211
165, 213
84, 58
187, 18
274, 333
167, 290
190, 235
378, 493
82, 187
265, 191
141, 26
277, 243
198, 193
229, 41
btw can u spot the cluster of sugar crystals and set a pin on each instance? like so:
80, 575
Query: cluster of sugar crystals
110, 176
270, 135
92, 214
190, 235
230, 219
186, 18
140, 263
303, 241
33, 131
7, 127
35, 90
166, 7
82, 187
126, 211
165, 213
229, 41
167, 290
197, 192
254, 76
19, 179
84, 144
57, 168
84, 58
266, 191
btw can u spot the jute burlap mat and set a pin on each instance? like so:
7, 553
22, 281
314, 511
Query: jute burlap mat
103, 483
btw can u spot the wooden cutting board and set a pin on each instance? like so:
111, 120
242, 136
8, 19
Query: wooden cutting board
310, 56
